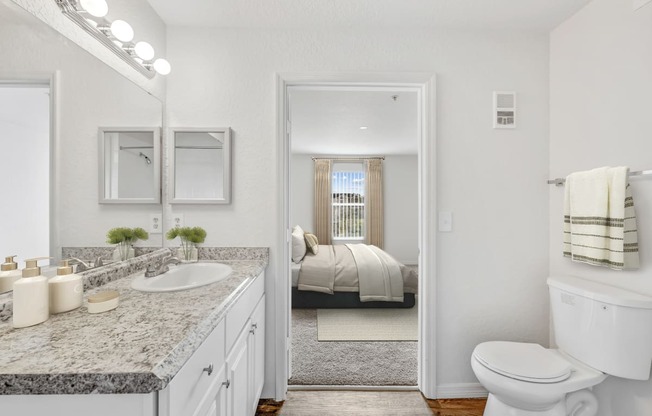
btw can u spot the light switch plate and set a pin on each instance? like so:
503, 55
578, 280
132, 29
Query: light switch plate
177, 220
446, 222
155, 223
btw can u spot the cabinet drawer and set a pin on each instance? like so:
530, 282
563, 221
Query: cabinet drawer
240, 312
192, 382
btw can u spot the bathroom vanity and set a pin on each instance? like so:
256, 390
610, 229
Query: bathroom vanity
193, 352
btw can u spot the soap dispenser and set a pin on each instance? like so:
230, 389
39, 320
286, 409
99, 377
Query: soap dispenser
9, 273
66, 289
31, 300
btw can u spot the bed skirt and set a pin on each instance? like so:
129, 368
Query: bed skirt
304, 299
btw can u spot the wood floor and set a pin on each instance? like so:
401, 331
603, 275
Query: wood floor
349, 403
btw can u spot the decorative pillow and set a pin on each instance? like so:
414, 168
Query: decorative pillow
298, 244
312, 243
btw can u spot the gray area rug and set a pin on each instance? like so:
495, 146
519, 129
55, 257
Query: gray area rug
374, 363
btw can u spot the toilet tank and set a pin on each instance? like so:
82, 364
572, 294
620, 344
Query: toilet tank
605, 327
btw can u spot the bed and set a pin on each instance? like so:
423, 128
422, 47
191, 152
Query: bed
349, 276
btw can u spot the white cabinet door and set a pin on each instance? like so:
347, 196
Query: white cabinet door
237, 363
214, 402
257, 353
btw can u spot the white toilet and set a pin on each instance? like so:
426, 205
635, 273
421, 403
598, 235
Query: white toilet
601, 330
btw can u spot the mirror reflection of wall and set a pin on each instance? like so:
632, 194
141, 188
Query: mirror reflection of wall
131, 156
24, 168
130, 165
201, 166
198, 165
86, 94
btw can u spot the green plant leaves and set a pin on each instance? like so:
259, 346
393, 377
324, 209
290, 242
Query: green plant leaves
123, 234
195, 235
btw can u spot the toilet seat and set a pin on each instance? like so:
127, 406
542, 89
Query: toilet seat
523, 361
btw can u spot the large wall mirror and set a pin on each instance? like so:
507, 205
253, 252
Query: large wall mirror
129, 165
82, 94
200, 163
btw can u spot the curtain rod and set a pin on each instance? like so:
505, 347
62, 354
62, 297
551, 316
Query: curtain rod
562, 181
349, 158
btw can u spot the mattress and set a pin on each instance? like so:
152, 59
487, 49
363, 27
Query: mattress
295, 273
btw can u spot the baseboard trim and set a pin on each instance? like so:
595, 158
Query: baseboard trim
352, 388
461, 391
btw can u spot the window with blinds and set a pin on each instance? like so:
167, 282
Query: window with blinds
348, 187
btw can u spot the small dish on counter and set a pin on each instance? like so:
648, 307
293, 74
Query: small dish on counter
103, 301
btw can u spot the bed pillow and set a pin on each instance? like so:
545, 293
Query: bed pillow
298, 244
312, 243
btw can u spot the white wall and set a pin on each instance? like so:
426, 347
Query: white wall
492, 268
600, 103
24, 169
89, 95
400, 195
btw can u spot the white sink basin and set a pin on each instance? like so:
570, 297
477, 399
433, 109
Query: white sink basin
183, 277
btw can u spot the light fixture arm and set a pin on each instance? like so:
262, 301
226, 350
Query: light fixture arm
75, 12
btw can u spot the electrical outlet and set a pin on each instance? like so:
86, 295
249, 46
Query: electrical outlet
177, 220
155, 223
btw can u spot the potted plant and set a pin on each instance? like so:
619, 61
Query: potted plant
124, 237
190, 237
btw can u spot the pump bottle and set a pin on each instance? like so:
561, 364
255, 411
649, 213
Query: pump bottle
31, 299
66, 289
9, 273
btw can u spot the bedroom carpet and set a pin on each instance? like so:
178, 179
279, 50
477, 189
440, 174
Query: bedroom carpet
367, 324
368, 363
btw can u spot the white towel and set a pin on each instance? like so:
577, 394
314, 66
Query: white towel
599, 219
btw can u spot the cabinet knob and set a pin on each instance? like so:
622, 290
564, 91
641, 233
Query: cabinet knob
254, 326
208, 369
226, 383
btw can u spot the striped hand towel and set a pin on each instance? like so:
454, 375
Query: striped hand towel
599, 219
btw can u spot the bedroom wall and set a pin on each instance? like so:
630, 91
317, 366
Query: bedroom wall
492, 268
600, 101
401, 202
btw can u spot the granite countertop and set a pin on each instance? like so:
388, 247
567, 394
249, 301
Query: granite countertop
136, 348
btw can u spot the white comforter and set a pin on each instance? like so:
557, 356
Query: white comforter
357, 268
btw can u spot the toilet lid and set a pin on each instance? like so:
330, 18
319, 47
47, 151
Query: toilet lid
523, 361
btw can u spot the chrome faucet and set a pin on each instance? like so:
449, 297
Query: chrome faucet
83, 266
153, 270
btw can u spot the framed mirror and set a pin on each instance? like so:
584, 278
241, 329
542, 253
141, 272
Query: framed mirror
130, 171
200, 163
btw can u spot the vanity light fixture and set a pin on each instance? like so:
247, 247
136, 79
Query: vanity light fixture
117, 36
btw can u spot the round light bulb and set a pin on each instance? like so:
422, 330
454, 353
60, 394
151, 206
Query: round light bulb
162, 66
122, 31
97, 8
144, 51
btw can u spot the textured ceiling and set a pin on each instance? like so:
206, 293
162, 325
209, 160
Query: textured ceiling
328, 121
529, 15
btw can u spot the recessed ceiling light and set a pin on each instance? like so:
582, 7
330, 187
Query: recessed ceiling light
363, 127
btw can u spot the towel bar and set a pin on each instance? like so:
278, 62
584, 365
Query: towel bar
561, 181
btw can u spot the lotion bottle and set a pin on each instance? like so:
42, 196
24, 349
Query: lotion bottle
9, 273
31, 300
66, 289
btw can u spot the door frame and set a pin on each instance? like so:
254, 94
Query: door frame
50, 79
425, 83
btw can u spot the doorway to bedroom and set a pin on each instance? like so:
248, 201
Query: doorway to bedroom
354, 213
